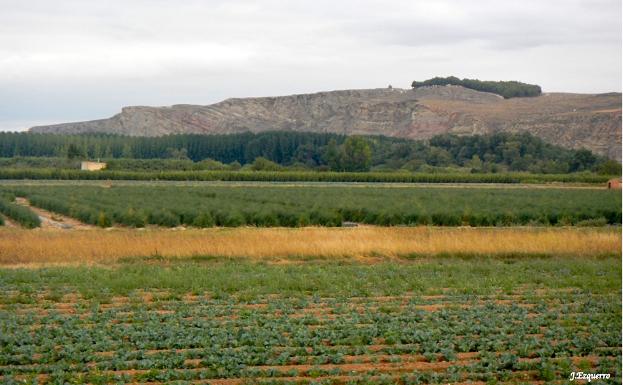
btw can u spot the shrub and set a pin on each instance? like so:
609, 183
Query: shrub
132, 218
613, 216
84, 214
186, 216
446, 219
103, 220
303, 220
260, 163
286, 219
233, 220
23, 215
163, 218
203, 220
480, 220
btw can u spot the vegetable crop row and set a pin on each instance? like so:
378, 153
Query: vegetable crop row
504, 339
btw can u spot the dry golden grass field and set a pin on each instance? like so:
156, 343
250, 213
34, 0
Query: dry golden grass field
50, 246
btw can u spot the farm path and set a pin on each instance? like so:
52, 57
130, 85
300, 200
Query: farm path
53, 220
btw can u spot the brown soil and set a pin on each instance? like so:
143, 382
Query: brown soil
392, 369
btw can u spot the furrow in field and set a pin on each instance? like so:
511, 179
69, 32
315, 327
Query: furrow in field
353, 369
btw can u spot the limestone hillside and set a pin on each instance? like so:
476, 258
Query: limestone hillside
592, 121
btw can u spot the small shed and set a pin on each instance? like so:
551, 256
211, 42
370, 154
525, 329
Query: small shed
92, 166
614, 183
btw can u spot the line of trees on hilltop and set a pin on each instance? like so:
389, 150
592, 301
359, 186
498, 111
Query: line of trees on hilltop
274, 151
506, 89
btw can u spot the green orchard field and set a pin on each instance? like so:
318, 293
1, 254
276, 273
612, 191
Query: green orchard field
217, 321
269, 205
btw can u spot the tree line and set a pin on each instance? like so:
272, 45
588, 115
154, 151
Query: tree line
507, 89
275, 151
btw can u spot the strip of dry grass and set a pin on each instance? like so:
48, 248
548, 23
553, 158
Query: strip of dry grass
19, 247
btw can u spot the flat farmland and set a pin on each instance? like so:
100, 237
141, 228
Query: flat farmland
270, 205
226, 284
440, 320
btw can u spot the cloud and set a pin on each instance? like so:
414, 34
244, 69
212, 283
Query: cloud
72, 59
498, 25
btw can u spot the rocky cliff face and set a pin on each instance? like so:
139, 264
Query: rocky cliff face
570, 120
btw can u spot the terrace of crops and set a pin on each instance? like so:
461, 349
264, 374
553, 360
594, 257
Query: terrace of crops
270, 205
445, 320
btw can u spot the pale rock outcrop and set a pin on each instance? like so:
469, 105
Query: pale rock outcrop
592, 121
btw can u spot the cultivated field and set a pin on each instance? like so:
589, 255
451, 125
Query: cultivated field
269, 205
228, 284
441, 320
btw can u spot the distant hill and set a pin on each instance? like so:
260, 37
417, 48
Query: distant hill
591, 121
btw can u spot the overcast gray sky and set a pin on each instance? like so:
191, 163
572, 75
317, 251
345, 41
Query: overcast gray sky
67, 60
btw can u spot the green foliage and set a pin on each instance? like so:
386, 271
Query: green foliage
177, 153
507, 89
235, 165
211, 164
203, 220
499, 152
152, 164
73, 151
164, 218
609, 167
256, 322
356, 154
83, 212
131, 217
515, 152
332, 155
103, 220
582, 160
304, 176
262, 164
20, 162
23, 215
324, 205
